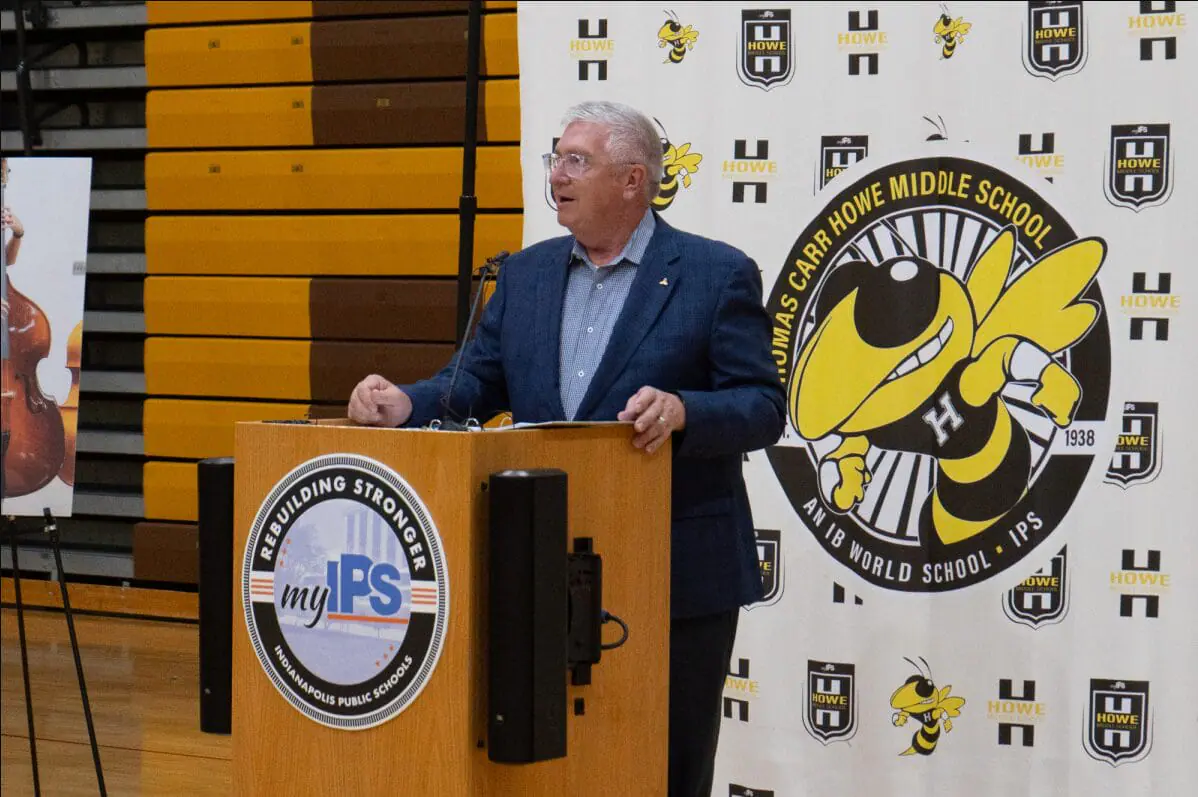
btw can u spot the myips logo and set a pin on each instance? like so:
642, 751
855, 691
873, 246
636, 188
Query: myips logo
1137, 457
1139, 166
1157, 28
837, 153
831, 714
1055, 38
765, 57
1043, 597
592, 49
1118, 721
679, 39
1150, 308
932, 707
679, 165
345, 591
946, 355
750, 170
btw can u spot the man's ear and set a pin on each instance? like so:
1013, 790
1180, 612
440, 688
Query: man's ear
634, 183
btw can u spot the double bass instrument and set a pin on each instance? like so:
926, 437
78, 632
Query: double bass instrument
35, 445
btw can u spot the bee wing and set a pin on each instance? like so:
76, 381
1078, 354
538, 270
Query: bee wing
1042, 305
951, 706
989, 273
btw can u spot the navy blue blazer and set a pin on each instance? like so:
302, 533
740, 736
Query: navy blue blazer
705, 335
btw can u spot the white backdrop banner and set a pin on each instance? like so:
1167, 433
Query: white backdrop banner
977, 533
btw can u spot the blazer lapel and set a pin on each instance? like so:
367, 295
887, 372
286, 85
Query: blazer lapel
551, 290
655, 280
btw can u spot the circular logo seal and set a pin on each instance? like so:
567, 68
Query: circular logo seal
945, 349
346, 591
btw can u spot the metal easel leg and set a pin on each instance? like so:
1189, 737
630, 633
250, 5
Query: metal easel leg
10, 530
52, 530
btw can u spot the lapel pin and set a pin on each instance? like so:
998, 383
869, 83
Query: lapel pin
664, 281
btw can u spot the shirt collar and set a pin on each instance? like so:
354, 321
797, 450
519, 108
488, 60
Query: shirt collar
634, 250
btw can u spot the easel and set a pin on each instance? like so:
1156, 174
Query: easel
10, 531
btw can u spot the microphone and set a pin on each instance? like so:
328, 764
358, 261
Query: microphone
455, 423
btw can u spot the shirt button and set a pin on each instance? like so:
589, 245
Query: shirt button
580, 373
590, 329
599, 286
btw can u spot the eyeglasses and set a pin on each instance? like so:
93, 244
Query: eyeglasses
575, 165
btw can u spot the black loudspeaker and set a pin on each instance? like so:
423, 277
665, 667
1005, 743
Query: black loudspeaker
528, 616
215, 476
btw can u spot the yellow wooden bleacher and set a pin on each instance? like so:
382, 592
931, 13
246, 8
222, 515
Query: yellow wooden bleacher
344, 50
342, 179
301, 307
195, 428
305, 116
408, 245
303, 180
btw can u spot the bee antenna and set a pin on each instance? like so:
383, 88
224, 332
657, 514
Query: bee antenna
925, 663
913, 664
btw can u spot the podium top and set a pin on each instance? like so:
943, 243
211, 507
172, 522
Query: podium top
523, 426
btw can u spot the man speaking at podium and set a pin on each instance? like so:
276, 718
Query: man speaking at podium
630, 319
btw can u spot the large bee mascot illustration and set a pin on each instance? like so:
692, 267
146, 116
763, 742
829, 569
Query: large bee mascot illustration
905, 356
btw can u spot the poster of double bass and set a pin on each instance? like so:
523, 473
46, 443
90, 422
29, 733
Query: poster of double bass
43, 255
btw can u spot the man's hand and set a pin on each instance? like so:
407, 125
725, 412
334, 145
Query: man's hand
656, 415
377, 402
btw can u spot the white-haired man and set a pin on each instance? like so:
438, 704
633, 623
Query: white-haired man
628, 318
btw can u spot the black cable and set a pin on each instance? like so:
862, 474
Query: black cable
609, 617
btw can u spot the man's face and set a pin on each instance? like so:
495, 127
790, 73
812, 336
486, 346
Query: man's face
587, 192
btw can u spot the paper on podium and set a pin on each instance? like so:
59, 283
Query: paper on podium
555, 424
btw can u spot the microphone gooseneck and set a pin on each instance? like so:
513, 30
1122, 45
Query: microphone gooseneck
454, 422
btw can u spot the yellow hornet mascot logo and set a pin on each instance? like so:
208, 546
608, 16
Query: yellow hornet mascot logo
679, 39
679, 165
907, 357
919, 697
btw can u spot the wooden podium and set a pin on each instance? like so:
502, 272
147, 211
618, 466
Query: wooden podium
618, 496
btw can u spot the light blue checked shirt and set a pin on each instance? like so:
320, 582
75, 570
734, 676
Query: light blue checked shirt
594, 298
